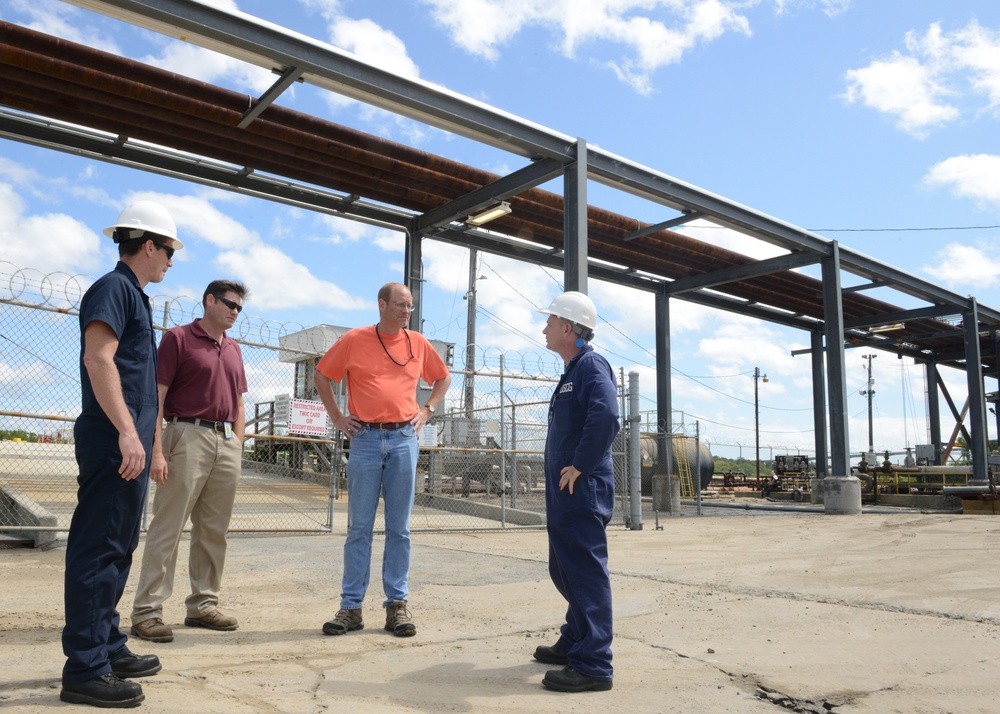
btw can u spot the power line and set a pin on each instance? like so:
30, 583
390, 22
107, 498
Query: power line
672, 368
901, 230
876, 230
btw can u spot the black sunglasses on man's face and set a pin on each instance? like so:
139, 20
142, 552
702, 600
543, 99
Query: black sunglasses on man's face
229, 303
166, 249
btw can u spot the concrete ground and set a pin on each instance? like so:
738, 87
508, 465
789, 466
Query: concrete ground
850, 614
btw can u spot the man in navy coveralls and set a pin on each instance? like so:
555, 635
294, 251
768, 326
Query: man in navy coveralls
114, 439
580, 497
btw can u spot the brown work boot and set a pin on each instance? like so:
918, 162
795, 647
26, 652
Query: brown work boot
213, 620
398, 620
346, 620
153, 630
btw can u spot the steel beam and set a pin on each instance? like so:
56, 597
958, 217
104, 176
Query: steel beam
166, 162
287, 79
888, 318
666, 225
514, 183
866, 286
769, 266
266, 45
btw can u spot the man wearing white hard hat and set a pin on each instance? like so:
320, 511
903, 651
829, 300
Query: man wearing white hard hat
114, 439
579, 497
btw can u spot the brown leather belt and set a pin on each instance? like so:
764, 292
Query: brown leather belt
207, 423
385, 425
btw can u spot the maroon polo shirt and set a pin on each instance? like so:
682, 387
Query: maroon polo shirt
204, 377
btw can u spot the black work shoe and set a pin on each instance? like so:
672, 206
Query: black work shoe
568, 679
346, 620
398, 619
549, 655
108, 691
133, 665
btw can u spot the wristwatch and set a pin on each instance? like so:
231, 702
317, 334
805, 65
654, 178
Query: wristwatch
429, 408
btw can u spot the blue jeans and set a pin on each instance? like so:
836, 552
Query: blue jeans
380, 462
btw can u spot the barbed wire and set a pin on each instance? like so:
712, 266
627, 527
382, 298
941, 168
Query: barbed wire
63, 292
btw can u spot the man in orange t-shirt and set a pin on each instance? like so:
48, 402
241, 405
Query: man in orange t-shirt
382, 364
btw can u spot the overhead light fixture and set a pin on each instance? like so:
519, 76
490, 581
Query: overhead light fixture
490, 214
886, 328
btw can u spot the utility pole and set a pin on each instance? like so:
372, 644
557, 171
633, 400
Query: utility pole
870, 392
756, 415
470, 336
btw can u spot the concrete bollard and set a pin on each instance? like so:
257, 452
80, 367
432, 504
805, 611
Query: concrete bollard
661, 502
842, 495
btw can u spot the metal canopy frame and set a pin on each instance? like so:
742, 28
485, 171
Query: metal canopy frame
709, 281
260, 43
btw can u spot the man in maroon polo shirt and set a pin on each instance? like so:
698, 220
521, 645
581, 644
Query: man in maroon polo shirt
196, 464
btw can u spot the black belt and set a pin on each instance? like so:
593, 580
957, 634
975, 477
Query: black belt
385, 425
207, 423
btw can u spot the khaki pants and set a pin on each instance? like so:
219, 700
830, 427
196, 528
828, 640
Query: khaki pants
203, 469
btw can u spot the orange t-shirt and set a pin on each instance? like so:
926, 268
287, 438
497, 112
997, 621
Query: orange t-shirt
378, 388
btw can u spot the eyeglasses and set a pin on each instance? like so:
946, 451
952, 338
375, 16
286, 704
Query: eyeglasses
166, 249
403, 306
229, 303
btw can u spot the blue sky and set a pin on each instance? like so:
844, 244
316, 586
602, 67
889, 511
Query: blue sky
834, 115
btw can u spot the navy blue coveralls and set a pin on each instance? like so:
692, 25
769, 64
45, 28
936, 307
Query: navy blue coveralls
105, 527
583, 423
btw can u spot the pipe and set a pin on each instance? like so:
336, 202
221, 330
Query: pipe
809, 509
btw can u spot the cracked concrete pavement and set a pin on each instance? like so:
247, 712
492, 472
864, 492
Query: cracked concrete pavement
852, 614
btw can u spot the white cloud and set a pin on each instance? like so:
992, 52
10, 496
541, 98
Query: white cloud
277, 282
208, 66
939, 78
708, 232
966, 268
374, 45
654, 33
197, 216
51, 242
974, 176
901, 86
830, 8
339, 231
979, 49
60, 20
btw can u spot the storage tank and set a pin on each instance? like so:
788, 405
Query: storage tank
688, 449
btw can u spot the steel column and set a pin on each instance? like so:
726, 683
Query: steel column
819, 403
664, 406
575, 221
979, 446
840, 455
413, 278
933, 409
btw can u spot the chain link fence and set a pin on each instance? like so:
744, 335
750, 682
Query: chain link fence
480, 467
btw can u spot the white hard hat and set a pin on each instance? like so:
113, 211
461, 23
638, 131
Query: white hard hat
145, 216
575, 307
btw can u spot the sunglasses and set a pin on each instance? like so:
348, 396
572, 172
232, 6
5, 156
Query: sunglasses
166, 249
230, 304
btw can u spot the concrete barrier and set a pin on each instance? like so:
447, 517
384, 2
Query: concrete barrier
16, 509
